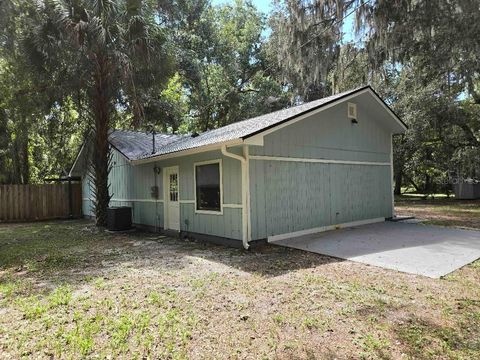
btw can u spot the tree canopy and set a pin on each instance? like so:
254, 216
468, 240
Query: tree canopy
72, 67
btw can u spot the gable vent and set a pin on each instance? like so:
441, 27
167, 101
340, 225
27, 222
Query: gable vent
352, 111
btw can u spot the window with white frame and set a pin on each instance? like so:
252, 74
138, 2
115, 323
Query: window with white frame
208, 186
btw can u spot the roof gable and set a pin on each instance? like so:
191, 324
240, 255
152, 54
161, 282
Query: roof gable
138, 146
245, 129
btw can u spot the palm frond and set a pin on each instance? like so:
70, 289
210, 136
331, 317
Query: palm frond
60, 13
96, 31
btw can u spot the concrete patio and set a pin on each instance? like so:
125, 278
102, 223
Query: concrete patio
431, 251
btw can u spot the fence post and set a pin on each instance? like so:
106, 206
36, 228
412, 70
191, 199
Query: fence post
70, 198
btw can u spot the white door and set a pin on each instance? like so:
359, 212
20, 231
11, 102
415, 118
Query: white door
172, 205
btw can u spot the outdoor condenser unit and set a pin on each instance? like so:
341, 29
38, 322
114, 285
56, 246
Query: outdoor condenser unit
119, 218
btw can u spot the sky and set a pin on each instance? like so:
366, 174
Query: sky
266, 5
262, 5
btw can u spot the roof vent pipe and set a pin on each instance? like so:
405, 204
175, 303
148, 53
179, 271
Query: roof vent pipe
153, 140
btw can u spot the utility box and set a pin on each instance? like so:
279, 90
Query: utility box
119, 218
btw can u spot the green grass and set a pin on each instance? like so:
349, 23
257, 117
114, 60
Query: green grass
34, 248
73, 292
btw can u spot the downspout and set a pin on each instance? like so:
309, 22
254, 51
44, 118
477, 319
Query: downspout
245, 182
391, 176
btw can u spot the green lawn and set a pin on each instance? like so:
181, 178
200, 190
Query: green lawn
70, 291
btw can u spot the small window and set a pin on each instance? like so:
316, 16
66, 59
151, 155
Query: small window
208, 186
173, 190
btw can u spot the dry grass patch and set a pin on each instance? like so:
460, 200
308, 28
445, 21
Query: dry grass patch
442, 211
70, 291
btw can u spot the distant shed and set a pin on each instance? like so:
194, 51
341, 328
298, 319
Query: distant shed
316, 166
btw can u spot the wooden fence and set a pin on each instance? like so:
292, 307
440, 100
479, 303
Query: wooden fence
40, 202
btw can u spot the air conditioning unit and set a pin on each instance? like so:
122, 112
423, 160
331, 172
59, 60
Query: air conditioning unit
119, 218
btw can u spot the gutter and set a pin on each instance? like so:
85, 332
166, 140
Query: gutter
185, 152
245, 192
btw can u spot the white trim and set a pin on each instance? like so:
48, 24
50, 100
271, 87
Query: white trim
308, 113
128, 200
200, 163
258, 138
246, 154
121, 154
391, 175
233, 206
254, 140
323, 229
76, 159
209, 212
186, 201
392, 114
196, 150
324, 161
245, 194
166, 195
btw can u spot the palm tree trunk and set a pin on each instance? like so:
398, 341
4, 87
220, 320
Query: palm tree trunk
101, 107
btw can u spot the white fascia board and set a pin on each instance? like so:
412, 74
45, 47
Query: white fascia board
258, 138
76, 159
82, 149
390, 112
255, 138
196, 150
122, 154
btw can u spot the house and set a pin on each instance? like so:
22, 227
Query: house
321, 165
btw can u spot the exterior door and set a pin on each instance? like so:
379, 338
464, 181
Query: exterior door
172, 205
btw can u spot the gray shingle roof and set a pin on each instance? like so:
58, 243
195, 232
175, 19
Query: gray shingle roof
136, 145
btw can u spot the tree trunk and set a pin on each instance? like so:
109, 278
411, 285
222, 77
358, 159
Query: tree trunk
398, 182
20, 163
100, 159
428, 184
25, 174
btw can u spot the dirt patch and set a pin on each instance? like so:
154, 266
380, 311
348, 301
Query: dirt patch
97, 295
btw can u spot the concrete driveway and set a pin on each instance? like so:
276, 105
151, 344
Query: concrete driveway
432, 251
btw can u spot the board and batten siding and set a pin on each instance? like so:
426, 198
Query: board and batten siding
229, 224
288, 196
131, 186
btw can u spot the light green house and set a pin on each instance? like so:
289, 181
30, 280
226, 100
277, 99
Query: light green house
317, 166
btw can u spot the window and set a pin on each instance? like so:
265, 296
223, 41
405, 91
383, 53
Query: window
173, 190
208, 186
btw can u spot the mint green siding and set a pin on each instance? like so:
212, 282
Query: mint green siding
228, 225
330, 135
290, 196
285, 196
131, 186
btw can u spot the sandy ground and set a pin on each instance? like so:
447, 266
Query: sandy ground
69, 291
